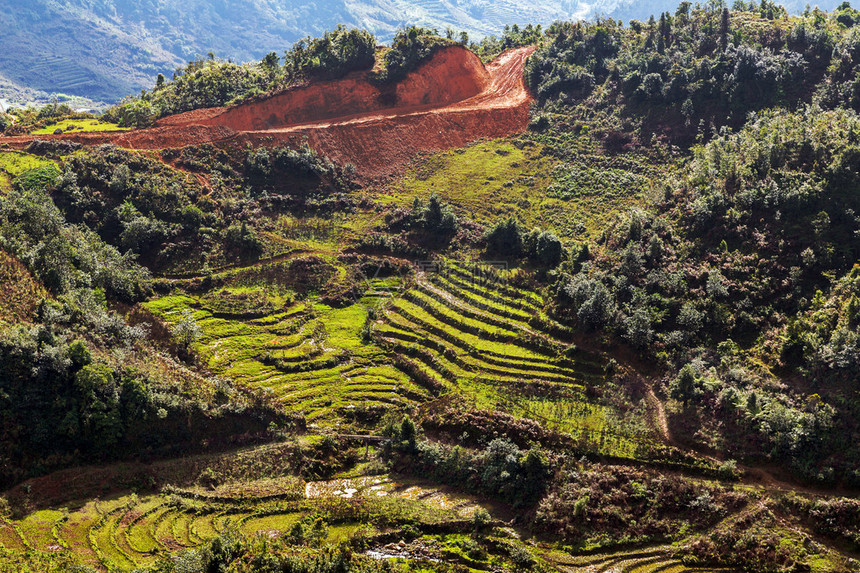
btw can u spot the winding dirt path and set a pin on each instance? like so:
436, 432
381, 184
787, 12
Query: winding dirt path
377, 142
655, 406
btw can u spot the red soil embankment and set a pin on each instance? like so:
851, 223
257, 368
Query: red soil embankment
448, 102
190, 117
378, 144
454, 74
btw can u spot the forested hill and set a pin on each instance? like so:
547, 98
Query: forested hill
59, 47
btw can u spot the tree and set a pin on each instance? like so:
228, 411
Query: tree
724, 29
686, 385
437, 217
187, 331
270, 61
548, 249
505, 238
100, 414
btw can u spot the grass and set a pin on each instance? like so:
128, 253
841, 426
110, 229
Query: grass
79, 125
485, 182
5, 183
493, 180
15, 163
596, 427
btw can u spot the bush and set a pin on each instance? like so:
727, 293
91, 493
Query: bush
409, 49
243, 240
332, 56
505, 238
548, 250
61, 255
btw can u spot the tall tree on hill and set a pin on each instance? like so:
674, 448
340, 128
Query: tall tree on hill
724, 30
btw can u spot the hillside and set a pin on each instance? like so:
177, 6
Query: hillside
585, 299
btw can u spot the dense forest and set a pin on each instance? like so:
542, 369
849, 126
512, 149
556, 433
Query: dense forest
626, 336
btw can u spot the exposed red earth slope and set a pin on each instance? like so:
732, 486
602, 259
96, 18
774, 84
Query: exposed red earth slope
449, 101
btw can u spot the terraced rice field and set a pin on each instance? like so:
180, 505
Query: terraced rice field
310, 356
650, 560
464, 329
467, 329
455, 326
129, 532
64, 74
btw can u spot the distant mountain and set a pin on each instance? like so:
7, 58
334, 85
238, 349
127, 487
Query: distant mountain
106, 49
641, 9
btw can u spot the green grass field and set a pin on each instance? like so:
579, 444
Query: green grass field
15, 163
493, 180
79, 125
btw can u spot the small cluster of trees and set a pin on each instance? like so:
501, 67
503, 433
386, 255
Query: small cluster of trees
502, 469
433, 222
333, 55
140, 207
409, 49
510, 239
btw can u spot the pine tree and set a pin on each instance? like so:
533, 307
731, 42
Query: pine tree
724, 30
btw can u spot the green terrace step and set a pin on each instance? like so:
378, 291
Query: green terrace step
11, 537
447, 369
324, 362
441, 324
474, 361
479, 301
421, 373
419, 328
489, 360
457, 284
531, 316
426, 316
103, 540
452, 368
498, 283
308, 350
140, 538
424, 294
470, 311
454, 318
544, 370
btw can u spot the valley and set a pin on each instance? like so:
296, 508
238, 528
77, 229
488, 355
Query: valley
587, 304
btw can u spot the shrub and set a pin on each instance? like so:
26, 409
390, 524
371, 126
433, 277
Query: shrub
505, 237
333, 55
409, 49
